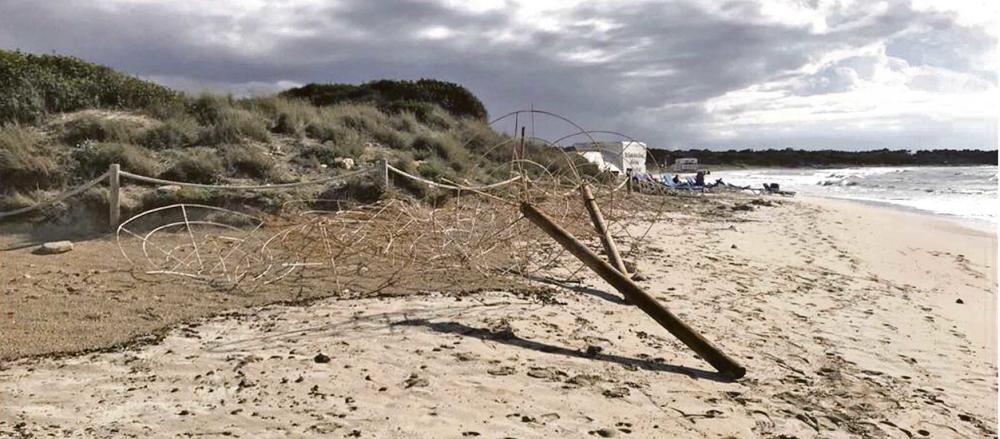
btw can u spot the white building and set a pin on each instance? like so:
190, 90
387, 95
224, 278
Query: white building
685, 165
616, 157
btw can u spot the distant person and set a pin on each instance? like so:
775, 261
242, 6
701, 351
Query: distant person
699, 178
676, 180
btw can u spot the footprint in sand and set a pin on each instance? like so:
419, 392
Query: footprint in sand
763, 424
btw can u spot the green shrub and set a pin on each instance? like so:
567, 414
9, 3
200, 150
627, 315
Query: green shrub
404, 161
480, 139
18, 200
405, 122
426, 113
176, 132
444, 146
386, 136
207, 109
233, 125
558, 162
317, 154
196, 165
324, 130
99, 129
168, 109
185, 195
288, 116
436, 169
92, 160
248, 162
328, 151
32, 86
360, 191
25, 163
395, 96
357, 117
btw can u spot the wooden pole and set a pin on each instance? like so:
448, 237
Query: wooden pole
614, 258
719, 360
114, 208
382, 174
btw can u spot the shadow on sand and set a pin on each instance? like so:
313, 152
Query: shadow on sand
594, 292
508, 338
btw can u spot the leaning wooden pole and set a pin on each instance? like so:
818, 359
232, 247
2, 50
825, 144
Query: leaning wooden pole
614, 258
719, 360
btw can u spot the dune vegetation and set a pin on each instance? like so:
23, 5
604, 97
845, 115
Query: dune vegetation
63, 121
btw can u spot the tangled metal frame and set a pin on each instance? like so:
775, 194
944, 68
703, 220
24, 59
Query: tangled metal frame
479, 233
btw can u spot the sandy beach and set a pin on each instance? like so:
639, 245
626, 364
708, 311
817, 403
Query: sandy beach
852, 321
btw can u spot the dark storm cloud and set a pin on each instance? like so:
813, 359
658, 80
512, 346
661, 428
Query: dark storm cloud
650, 73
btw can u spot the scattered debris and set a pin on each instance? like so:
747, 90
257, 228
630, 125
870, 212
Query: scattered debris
416, 381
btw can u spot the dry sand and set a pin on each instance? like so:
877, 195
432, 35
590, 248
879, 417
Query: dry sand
844, 315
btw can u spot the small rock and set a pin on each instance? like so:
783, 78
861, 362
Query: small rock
639, 277
959, 301
343, 162
742, 207
733, 246
593, 350
55, 247
321, 358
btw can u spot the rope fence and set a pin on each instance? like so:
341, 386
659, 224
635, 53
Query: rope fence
57, 198
152, 180
114, 174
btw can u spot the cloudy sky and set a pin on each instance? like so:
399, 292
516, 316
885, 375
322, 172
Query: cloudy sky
691, 73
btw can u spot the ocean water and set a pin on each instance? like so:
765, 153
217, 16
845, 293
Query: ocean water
961, 192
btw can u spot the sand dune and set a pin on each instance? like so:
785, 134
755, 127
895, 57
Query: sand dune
846, 317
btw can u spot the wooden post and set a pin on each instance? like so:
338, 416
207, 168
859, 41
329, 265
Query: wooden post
114, 208
382, 174
521, 154
614, 258
720, 361
628, 181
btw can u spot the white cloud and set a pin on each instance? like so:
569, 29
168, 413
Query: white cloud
688, 72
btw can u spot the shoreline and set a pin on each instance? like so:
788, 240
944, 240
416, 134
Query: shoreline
979, 225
